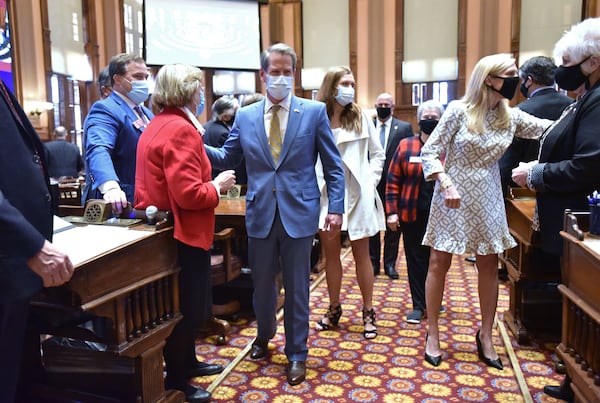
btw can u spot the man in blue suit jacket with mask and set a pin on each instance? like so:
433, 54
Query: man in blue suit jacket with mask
280, 137
112, 129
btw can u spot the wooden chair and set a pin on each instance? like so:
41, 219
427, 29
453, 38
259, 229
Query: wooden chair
225, 267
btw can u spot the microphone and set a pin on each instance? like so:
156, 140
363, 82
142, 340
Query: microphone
151, 214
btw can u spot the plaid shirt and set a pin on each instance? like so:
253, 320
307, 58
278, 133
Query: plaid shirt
404, 180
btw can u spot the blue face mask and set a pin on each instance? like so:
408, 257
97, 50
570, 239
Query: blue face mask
200, 106
139, 91
345, 95
279, 86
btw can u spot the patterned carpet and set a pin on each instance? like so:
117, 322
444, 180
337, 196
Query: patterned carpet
344, 367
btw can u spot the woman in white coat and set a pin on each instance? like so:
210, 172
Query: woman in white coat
363, 158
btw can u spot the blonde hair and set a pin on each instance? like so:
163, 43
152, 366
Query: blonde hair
478, 93
176, 84
351, 117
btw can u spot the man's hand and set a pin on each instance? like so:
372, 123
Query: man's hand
333, 222
53, 266
117, 198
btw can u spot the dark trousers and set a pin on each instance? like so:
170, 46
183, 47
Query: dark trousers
195, 300
417, 257
391, 242
13, 321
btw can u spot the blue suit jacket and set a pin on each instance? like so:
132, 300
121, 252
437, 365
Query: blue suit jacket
25, 202
110, 144
291, 185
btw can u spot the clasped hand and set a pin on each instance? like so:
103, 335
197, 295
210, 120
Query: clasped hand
52, 265
519, 174
225, 180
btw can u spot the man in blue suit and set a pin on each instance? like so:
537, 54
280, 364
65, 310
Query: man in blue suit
27, 258
280, 137
112, 129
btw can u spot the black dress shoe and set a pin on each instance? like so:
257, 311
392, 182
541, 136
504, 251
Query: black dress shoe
196, 395
204, 369
392, 273
296, 372
560, 392
497, 363
259, 350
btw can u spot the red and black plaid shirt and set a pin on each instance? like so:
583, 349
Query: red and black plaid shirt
404, 180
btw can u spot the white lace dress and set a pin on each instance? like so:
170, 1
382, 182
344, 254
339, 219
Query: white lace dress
471, 161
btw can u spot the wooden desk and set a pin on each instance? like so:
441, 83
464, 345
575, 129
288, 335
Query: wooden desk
128, 297
232, 213
534, 300
580, 341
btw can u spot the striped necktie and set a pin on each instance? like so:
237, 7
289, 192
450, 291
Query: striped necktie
140, 113
275, 133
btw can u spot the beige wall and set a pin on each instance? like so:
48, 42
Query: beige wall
488, 30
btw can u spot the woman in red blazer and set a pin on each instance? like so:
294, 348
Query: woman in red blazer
174, 173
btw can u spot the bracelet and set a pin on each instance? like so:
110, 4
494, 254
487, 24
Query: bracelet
446, 183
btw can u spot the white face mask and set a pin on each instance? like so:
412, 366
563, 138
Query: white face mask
345, 95
279, 86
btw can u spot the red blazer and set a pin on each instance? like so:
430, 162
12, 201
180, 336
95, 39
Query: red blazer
173, 173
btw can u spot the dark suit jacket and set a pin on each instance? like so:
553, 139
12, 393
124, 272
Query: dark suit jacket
25, 202
216, 132
571, 154
111, 135
398, 131
63, 159
546, 104
215, 135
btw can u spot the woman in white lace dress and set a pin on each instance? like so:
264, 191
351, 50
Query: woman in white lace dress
467, 212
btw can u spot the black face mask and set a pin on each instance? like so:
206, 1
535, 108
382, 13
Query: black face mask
383, 113
524, 90
509, 87
427, 125
570, 78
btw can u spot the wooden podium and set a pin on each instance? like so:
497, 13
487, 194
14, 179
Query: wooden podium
580, 341
534, 300
103, 332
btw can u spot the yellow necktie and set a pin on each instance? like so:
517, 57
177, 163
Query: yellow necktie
275, 134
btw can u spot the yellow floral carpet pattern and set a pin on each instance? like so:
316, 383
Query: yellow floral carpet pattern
342, 366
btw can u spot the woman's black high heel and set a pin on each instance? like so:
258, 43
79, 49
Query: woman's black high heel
333, 317
369, 319
497, 363
433, 360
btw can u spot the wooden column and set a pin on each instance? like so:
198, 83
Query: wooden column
285, 25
